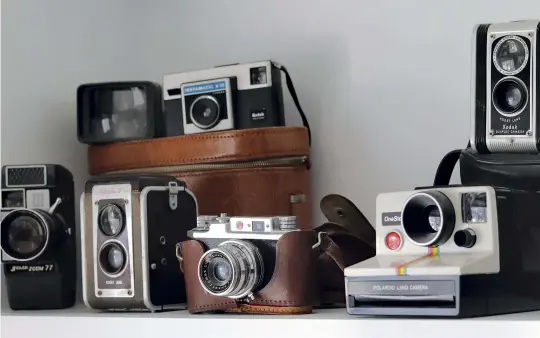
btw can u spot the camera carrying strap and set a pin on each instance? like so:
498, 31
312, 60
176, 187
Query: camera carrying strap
292, 91
446, 168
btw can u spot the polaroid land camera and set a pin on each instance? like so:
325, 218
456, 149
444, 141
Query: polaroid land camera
130, 226
38, 236
241, 252
450, 251
238, 96
506, 88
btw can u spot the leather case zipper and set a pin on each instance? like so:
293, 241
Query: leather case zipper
274, 162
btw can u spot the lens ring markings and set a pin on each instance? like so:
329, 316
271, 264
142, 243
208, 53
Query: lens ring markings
510, 55
25, 234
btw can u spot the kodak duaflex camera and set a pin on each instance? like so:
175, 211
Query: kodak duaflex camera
38, 236
238, 96
460, 251
506, 87
240, 252
130, 226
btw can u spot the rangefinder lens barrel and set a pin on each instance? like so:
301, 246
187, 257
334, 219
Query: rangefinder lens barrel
25, 234
428, 218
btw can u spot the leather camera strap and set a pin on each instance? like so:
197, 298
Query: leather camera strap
294, 96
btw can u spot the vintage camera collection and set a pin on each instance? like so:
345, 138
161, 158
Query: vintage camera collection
453, 251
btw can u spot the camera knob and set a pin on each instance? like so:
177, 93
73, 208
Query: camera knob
223, 218
465, 238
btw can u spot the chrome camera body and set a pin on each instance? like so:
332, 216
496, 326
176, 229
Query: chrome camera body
240, 252
505, 87
460, 251
130, 226
38, 236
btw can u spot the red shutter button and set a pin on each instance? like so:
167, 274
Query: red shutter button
393, 241
239, 225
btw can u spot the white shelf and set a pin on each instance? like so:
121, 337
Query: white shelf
80, 322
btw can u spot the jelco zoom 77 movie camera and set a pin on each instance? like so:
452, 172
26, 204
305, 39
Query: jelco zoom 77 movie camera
130, 226
458, 251
38, 236
506, 87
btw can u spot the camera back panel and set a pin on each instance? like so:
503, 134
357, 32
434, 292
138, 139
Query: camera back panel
258, 99
505, 87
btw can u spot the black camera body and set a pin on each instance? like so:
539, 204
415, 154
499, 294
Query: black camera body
38, 236
238, 96
119, 111
506, 87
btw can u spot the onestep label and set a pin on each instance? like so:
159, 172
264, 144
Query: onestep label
391, 218
205, 87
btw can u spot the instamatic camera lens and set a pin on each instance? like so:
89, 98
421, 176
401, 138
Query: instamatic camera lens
234, 269
25, 233
510, 96
204, 112
112, 258
428, 218
510, 55
111, 220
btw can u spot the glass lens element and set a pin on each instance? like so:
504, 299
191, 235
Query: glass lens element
26, 235
434, 218
221, 271
112, 258
474, 207
509, 96
111, 220
511, 55
205, 112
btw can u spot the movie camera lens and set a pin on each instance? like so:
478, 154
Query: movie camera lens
26, 233
112, 258
205, 111
428, 218
510, 96
111, 220
234, 269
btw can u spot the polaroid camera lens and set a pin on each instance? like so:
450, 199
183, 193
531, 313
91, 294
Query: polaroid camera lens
111, 220
510, 55
112, 258
428, 218
205, 111
510, 96
234, 269
25, 233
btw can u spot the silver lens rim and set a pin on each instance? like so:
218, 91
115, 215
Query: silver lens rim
194, 121
247, 268
496, 49
39, 218
521, 84
439, 208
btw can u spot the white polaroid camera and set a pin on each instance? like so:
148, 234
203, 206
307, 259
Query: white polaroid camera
452, 251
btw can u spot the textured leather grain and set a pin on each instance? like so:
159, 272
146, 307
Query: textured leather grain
291, 289
270, 190
226, 146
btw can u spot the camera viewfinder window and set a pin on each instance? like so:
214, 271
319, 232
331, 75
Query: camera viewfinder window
120, 113
13, 199
258, 75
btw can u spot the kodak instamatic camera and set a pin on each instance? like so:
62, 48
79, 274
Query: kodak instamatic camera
38, 236
119, 111
130, 226
451, 251
241, 252
506, 87
238, 96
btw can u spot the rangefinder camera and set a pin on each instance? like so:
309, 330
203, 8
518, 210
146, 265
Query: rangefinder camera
38, 236
460, 251
505, 87
237, 96
130, 225
241, 252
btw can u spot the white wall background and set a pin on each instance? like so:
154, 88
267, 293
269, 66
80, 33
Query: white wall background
385, 84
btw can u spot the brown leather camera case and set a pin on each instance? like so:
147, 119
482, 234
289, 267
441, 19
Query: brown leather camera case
262, 171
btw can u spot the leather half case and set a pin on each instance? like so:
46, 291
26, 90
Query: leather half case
291, 290
263, 171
